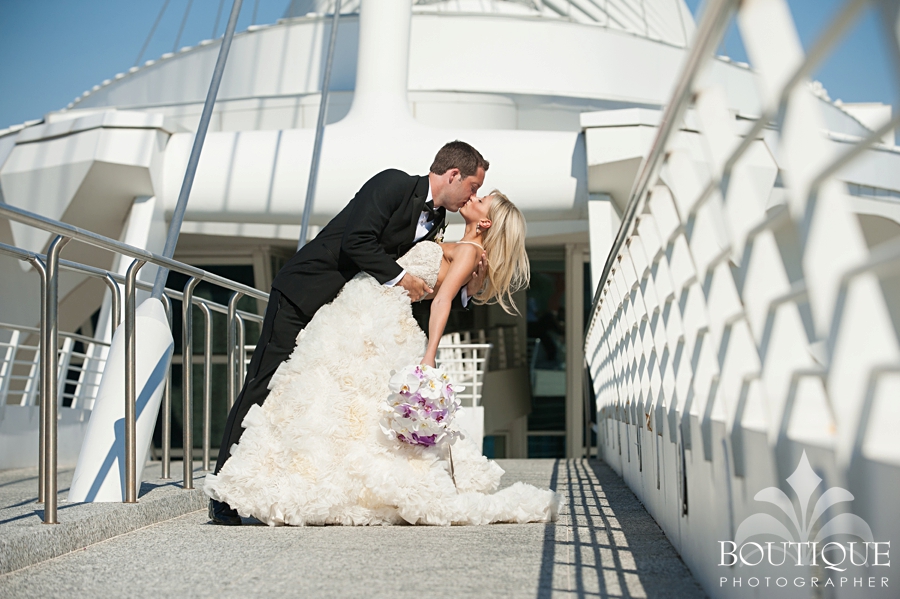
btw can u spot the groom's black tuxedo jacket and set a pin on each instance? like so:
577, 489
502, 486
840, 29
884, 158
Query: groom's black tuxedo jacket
369, 234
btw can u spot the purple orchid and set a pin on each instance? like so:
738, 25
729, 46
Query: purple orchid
420, 410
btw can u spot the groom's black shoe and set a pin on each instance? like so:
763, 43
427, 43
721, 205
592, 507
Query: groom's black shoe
222, 513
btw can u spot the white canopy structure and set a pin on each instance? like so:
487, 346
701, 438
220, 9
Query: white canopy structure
564, 97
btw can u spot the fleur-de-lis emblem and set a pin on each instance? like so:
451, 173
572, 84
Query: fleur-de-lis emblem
804, 482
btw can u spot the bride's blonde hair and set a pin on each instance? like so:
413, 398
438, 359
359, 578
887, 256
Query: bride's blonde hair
508, 270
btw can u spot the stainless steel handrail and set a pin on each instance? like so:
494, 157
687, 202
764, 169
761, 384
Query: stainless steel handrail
108, 278
93, 271
50, 331
113, 280
202, 303
73, 336
96, 240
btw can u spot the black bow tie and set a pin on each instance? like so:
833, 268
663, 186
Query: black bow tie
433, 213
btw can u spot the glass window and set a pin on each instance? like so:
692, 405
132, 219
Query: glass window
545, 315
241, 273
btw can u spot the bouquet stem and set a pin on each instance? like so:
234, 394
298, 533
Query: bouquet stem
452, 474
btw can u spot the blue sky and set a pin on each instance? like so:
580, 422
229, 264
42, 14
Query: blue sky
858, 68
53, 50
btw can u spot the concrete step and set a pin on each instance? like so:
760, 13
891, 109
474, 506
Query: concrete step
25, 540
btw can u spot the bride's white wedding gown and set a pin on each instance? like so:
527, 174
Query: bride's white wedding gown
315, 453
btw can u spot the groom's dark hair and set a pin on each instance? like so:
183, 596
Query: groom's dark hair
459, 154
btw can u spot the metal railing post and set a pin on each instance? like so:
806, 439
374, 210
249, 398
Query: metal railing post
139, 257
130, 384
586, 392
49, 403
187, 386
39, 266
166, 411
115, 312
241, 329
232, 312
207, 381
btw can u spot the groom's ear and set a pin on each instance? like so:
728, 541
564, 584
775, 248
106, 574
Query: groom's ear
451, 175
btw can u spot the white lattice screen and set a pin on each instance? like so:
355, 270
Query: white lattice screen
745, 319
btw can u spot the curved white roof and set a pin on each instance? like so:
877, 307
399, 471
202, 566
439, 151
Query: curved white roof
668, 21
537, 63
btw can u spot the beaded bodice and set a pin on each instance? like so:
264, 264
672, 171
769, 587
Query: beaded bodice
423, 261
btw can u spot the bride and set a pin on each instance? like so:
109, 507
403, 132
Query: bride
315, 453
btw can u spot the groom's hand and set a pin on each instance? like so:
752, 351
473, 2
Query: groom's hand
416, 287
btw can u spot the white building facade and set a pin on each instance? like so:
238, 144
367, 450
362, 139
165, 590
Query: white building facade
563, 97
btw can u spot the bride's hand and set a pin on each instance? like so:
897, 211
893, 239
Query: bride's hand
477, 281
429, 362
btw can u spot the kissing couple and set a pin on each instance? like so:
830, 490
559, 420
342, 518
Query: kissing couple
304, 443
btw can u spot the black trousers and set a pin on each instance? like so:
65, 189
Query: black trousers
282, 322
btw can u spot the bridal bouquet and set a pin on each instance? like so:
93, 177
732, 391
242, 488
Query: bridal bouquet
421, 406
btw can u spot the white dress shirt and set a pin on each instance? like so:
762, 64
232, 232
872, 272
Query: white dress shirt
423, 227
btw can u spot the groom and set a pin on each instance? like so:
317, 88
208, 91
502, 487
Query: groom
391, 212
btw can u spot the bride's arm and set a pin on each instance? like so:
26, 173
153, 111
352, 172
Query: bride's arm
464, 260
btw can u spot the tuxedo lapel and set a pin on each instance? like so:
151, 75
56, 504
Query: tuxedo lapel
417, 205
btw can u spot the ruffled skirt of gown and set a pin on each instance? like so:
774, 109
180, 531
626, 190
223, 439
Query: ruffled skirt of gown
315, 454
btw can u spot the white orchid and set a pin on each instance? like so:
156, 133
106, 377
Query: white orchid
431, 388
421, 407
404, 381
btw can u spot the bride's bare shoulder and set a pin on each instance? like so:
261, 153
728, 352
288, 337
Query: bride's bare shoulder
460, 251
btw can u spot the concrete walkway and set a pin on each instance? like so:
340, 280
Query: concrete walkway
604, 545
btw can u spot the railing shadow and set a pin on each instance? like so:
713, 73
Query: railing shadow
613, 548
548, 551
